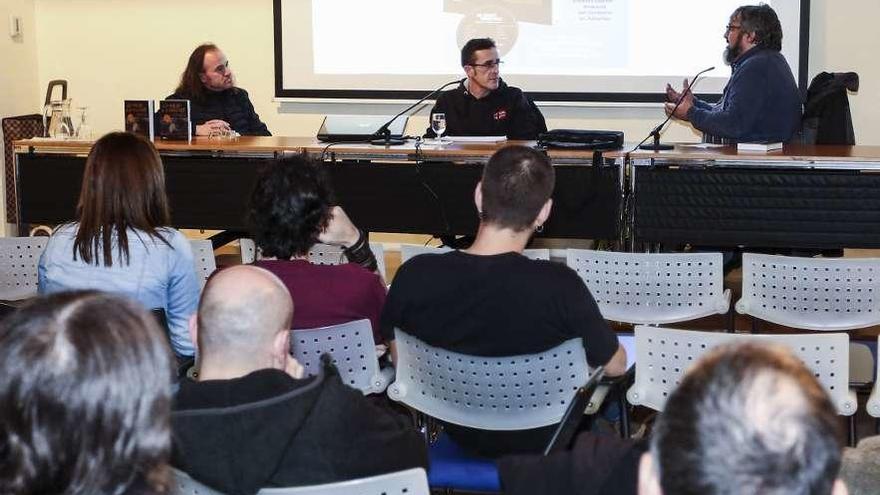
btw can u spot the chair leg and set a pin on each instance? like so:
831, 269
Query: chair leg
731, 320
624, 416
852, 430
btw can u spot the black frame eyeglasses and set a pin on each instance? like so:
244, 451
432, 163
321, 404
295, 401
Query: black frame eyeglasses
489, 65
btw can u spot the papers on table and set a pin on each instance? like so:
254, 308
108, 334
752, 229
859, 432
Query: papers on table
476, 139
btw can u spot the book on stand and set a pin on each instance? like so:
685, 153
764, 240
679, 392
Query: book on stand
763, 147
139, 118
174, 120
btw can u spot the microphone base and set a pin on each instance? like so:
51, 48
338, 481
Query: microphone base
388, 142
656, 147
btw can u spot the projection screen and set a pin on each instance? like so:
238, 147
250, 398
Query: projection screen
557, 50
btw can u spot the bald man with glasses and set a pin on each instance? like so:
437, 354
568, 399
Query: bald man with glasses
483, 105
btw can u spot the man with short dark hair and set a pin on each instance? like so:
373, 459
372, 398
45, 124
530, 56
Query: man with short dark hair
746, 419
217, 106
761, 102
490, 300
483, 105
252, 420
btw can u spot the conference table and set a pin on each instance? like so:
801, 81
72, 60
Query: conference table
813, 197
425, 189
823, 197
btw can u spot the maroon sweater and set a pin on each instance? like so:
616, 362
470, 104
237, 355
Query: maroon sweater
330, 294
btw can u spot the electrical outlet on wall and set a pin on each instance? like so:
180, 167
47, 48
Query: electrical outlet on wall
15, 26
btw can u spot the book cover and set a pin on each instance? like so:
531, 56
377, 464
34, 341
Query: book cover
139, 118
764, 147
174, 120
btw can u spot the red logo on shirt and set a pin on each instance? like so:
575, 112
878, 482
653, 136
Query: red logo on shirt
501, 114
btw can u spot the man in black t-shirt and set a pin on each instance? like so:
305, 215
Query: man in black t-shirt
490, 300
483, 105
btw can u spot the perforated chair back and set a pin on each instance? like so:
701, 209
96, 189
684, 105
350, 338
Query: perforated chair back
663, 355
353, 351
19, 257
653, 288
184, 484
203, 259
811, 293
248, 249
407, 251
321, 254
489, 393
873, 405
409, 482
325, 254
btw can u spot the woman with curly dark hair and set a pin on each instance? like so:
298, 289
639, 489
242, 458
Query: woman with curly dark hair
291, 210
85, 398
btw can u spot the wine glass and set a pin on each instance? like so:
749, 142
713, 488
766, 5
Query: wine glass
83, 129
438, 125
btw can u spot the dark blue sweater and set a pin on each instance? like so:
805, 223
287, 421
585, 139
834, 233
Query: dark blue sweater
761, 101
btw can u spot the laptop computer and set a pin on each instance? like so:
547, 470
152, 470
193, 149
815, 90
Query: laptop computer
352, 128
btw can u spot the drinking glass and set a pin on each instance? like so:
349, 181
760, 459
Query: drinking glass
83, 129
438, 125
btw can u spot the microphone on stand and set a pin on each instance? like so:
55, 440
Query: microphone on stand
382, 137
655, 133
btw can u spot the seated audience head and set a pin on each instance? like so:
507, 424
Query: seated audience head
243, 323
123, 188
752, 26
515, 190
206, 70
481, 64
290, 207
746, 419
85, 397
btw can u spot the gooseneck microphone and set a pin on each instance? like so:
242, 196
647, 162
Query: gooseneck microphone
655, 133
382, 137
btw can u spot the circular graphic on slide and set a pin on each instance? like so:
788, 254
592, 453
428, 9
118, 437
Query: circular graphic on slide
489, 21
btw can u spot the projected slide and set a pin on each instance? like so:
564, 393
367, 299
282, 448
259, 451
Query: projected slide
569, 46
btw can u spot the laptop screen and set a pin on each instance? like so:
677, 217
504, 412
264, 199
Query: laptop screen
360, 125
628, 342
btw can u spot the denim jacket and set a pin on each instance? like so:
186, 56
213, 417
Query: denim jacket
157, 276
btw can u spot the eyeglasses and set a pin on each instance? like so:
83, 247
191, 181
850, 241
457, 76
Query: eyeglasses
222, 69
732, 27
491, 64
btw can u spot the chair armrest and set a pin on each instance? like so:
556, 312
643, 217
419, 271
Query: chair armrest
873, 405
381, 380
609, 383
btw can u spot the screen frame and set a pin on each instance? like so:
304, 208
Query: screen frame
538, 96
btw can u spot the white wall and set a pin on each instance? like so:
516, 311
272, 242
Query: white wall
18, 72
112, 50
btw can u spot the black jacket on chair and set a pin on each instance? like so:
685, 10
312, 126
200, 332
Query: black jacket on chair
267, 429
827, 118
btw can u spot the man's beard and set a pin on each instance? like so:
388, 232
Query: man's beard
731, 53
